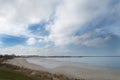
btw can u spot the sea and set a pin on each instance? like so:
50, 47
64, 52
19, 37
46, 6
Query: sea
106, 62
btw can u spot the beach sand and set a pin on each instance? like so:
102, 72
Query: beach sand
71, 70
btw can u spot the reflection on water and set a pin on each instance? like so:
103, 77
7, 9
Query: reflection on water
108, 62
111, 62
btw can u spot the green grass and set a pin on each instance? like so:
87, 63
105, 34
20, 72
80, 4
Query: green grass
12, 75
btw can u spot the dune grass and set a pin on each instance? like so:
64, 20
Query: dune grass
11, 75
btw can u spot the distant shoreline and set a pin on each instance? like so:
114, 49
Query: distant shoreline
65, 56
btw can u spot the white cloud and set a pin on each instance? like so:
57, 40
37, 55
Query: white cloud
88, 39
72, 15
44, 51
31, 41
1, 44
16, 15
40, 40
19, 50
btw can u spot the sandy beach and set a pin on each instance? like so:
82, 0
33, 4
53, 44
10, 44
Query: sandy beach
71, 70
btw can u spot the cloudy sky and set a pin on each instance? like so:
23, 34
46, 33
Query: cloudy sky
60, 27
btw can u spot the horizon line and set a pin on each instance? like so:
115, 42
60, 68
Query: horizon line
53, 56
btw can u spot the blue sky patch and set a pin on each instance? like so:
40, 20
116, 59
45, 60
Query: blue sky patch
8, 40
39, 28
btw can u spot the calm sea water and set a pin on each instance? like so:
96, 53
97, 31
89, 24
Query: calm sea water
107, 62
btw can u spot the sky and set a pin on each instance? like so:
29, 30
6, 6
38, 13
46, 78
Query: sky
60, 27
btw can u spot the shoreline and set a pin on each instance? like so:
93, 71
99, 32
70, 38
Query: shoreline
69, 70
